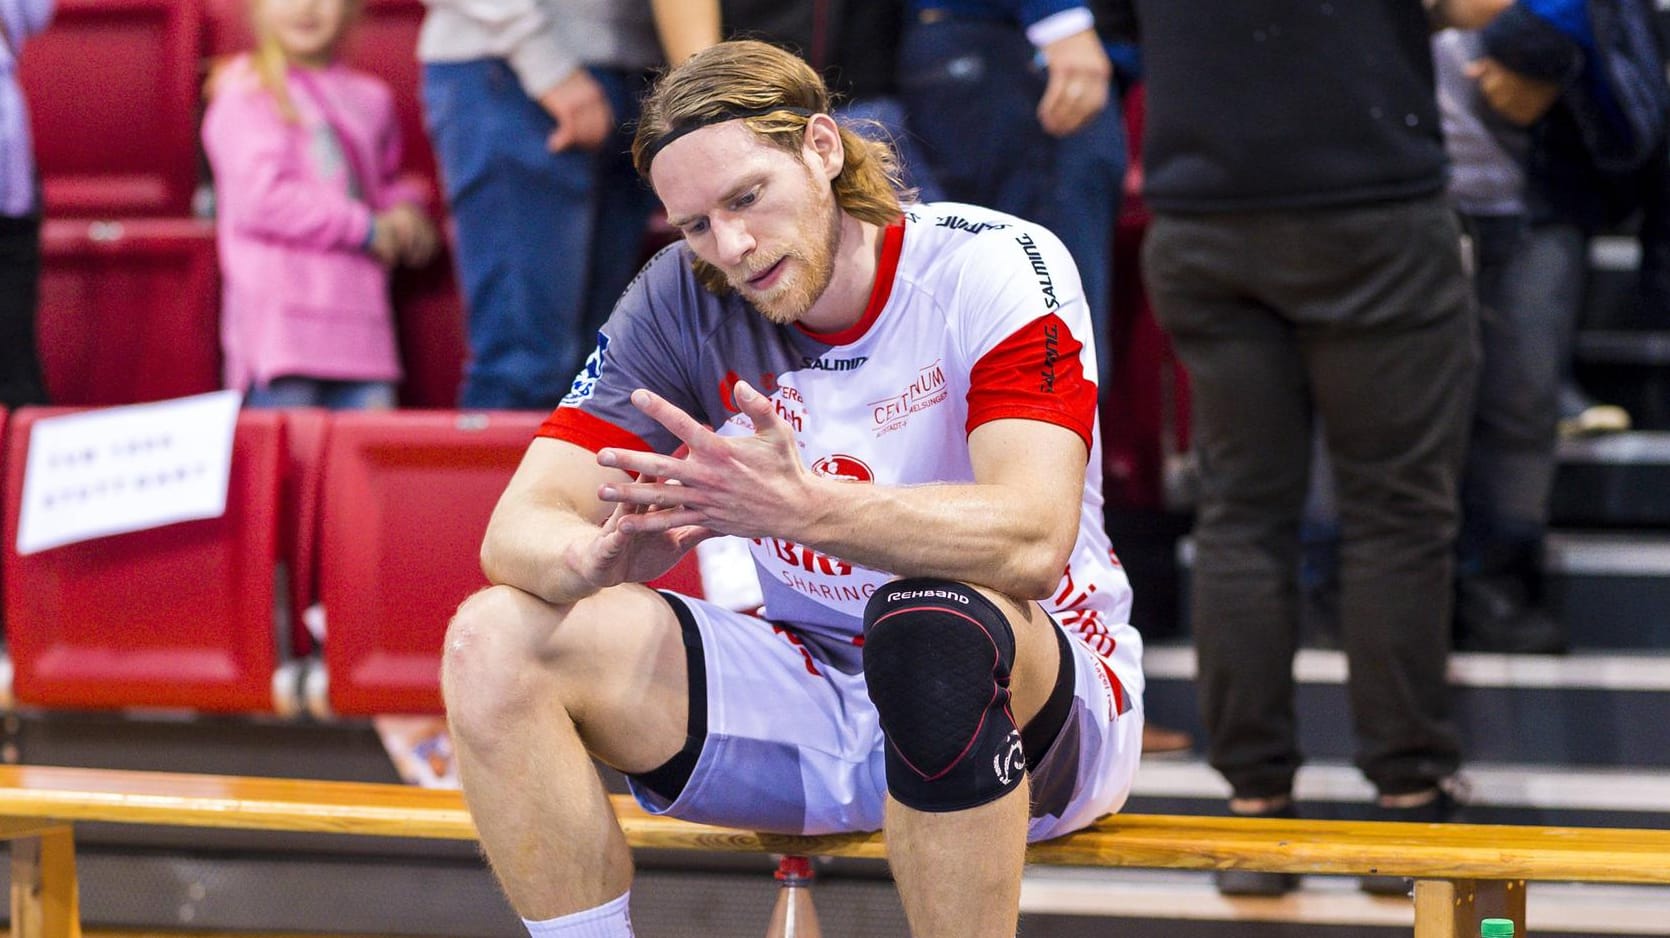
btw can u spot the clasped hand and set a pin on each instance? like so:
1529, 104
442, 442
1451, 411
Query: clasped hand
750, 486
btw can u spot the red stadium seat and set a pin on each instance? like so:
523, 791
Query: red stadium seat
179, 616
305, 433
1145, 410
384, 43
129, 311
112, 87
429, 315
406, 501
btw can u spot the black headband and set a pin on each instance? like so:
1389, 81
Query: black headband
728, 114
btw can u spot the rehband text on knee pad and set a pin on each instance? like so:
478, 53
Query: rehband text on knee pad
937, 658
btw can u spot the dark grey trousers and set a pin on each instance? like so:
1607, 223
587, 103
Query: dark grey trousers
20, 272
1363, 317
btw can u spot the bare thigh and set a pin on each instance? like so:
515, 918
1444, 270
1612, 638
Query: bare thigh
614, 662
1037, 654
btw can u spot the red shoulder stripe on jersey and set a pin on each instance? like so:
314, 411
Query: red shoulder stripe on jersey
1034, 374
887, 265
582, 429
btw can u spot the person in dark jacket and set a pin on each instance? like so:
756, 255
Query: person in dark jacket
1309, 270
1574, 90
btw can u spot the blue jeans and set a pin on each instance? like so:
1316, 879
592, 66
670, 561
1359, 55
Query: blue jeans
294, 391
888, 113
1530, 287
971, 92
546, 241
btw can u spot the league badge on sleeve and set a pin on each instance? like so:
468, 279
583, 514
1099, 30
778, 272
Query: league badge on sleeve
586, 381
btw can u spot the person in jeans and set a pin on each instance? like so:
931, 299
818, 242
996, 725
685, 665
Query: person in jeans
1555, 115
526, 103
1308, 268
1049, 141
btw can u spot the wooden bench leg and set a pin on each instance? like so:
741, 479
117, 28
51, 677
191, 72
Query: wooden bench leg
1454, 908
793, 916
45, 901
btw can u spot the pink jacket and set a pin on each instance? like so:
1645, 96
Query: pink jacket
300, 295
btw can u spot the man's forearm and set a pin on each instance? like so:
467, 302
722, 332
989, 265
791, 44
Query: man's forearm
534, 552
990, 535
685, 27
1463, 14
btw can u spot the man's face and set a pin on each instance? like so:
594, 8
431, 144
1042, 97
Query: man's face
762, 216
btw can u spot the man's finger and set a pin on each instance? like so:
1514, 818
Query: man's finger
665, 413
646, 466
652, 495
658, 522
758, 407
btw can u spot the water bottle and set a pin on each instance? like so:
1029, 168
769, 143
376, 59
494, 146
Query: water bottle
794, 916
1496, 928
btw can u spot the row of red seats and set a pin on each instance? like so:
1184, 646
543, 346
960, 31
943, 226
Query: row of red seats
114, 88
130, 312
130, 293
370, 520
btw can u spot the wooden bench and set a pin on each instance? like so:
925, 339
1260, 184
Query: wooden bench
1462, 872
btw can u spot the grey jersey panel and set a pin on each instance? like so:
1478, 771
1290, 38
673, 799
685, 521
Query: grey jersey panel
672, 336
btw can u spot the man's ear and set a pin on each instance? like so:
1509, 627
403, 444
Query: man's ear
825, 152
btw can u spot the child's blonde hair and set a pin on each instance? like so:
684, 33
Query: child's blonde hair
270, 63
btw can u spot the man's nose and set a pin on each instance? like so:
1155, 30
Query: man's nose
732, 240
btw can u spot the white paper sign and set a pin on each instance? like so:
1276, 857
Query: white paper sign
121, 469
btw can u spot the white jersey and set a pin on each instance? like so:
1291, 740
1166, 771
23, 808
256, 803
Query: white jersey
976, 316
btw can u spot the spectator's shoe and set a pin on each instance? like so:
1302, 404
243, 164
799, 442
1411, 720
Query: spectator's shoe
1257, 882
1437, 811
1581, 415
1164, 741
1496, 614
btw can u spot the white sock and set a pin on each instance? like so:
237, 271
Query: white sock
610, 920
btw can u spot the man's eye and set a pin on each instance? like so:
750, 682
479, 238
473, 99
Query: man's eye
748, 199
695, 227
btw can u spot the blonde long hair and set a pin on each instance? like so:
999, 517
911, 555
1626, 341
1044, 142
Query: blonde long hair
746, 75
270, 63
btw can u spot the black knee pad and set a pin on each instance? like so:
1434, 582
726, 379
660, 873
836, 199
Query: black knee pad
937, 657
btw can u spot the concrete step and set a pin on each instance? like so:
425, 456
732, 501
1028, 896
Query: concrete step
1611, 588
1190, 901
1615, 480
1494, 793
1586, 710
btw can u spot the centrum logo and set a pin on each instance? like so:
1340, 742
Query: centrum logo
845, 468
927, 390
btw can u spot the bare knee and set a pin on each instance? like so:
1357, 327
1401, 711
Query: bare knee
493, 670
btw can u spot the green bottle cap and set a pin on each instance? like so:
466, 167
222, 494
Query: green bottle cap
1496, 928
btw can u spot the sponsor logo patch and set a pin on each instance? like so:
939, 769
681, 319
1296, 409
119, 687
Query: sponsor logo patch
586, 381
845, 468
928, 389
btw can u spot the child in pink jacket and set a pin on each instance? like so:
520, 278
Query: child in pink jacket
304, 152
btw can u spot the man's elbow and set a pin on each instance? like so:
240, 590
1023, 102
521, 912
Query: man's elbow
1039, 568
488, 558
494, 557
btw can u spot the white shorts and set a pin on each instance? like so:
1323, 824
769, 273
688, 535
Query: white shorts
794, 746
